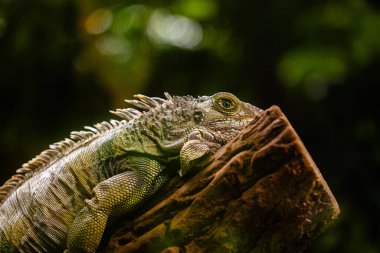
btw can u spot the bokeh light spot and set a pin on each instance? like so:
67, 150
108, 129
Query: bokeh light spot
311, 66
128, 18
174, 30
98, 21
113, 45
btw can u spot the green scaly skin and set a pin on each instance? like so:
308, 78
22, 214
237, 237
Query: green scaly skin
63, 199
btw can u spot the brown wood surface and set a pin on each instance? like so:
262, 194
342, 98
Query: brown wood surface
261, 192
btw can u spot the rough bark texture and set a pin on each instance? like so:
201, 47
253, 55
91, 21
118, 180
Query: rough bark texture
262, 192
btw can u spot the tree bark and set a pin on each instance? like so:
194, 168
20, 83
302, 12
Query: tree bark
261, 192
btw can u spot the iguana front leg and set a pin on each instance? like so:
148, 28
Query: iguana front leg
199, 145
113, 197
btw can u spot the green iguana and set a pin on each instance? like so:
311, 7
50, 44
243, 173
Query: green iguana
62, 199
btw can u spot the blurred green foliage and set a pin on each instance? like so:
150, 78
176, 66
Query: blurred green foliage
336, 38
63, 64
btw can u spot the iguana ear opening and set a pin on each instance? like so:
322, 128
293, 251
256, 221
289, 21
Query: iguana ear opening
191, 152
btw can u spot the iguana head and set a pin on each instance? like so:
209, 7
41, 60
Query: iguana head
222, 115
203, 125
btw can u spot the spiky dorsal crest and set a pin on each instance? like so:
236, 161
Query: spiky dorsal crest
78, 139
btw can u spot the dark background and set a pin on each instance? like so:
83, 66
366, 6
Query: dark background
64, 64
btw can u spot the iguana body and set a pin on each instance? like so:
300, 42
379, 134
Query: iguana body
63, 198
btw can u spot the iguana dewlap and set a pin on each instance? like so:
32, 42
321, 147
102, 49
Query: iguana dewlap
62, 199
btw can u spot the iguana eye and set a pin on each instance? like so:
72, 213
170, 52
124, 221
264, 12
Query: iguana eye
226, 103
